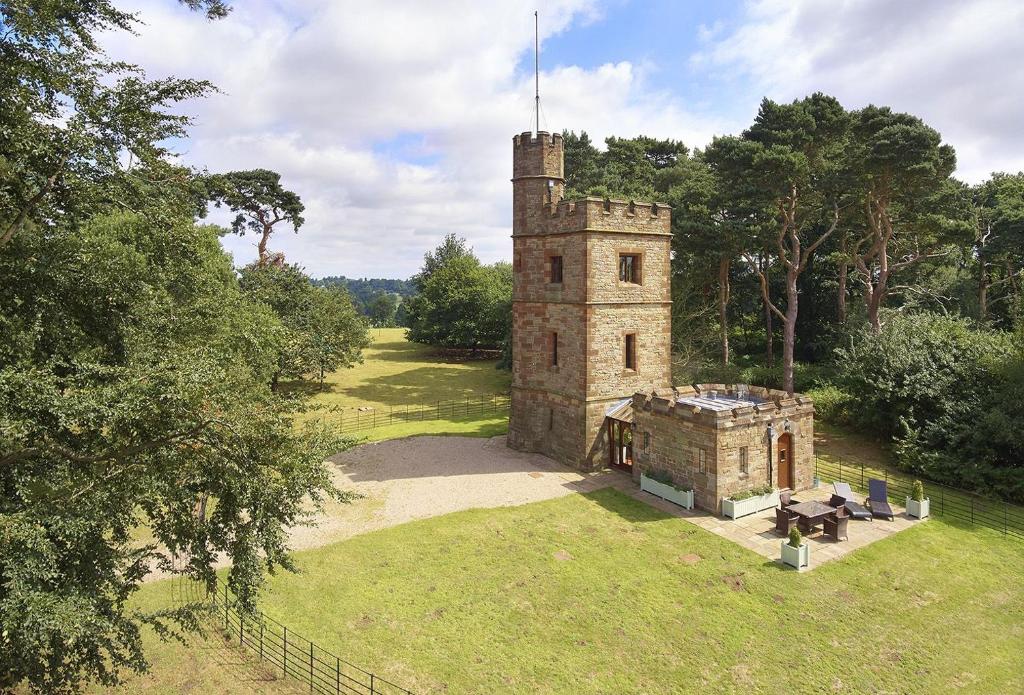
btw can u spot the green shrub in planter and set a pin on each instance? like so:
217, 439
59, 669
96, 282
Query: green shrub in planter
918, 492
795, 539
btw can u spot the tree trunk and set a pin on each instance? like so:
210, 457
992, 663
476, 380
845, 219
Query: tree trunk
983, 291
769, 328
789, 332
723, 304
844, 268
262, 248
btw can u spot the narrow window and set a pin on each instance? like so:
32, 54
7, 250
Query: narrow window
647, 441
744, 468
554, 349
629, 268
556, 270
702, 461
631, 351
551, 418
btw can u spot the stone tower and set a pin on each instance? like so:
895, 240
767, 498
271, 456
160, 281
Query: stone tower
591, 307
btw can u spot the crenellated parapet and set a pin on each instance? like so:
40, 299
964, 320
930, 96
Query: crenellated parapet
769, 405
537, 155
607, 215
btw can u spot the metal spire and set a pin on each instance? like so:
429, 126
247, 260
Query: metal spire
536, 69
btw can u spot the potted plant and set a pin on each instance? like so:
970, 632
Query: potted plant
750, 501
917, 503
661, 484
795, 552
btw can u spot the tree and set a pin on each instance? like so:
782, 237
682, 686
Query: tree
261, 203
321, 331
71, 118
900, 173
780, 179
133, 386
334, 334
461, 303
999, 241
382, 309
133, 371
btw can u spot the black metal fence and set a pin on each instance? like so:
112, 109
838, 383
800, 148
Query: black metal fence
291, 654
360, 419
945, 501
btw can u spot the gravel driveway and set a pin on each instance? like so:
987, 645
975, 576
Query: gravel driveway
421, 477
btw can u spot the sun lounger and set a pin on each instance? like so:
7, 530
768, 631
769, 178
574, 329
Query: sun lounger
878, 499
856, 511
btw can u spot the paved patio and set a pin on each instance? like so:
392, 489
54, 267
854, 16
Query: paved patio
757, 531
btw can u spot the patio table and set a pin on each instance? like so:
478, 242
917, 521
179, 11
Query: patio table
810, 513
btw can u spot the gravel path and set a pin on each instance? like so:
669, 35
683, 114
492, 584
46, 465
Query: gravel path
420, 477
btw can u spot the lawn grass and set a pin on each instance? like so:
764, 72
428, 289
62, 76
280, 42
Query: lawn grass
397, 374
480, 601
485, 425
594, 593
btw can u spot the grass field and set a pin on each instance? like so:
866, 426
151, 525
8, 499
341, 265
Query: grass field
396, 374
594, 593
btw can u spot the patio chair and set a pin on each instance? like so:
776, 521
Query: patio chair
835, 526
878, 499
784, 521
786, 498
836, 501
857, 511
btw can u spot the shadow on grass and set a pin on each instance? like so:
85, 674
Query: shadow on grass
625, 507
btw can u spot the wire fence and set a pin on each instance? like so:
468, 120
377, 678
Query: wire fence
288, 653
945, 501
360, 419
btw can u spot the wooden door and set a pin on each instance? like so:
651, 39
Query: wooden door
784, 461
620, 440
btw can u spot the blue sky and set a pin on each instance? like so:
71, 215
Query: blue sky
393, 119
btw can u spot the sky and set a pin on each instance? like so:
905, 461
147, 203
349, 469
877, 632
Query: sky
393, 119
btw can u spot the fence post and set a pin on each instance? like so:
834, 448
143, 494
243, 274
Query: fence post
372, 691
226, 609
337, 675
310, 667
285, 660
241, 629
861, 475
261, 640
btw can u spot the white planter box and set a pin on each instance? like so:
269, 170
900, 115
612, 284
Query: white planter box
796, 557
684, 498
918, 509
734, 509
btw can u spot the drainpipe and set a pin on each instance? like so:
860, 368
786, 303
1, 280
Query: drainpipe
771, 457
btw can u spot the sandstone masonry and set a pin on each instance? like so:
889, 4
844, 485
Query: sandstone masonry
588, 335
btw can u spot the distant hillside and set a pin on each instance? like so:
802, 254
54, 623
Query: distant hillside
365, 289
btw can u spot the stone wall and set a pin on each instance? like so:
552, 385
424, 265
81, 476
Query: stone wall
669, 435
559, 410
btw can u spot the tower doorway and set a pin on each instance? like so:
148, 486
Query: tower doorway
620, 440
784, 461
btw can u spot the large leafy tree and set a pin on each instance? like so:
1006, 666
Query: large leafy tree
321, 330
780, 180
900, 175
461, 303
999, 243
260, 202
133, 371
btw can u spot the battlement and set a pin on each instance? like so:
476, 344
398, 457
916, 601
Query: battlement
720, 405
537, 156
604, 214
531, 139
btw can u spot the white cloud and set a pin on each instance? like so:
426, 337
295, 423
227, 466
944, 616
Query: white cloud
331, 94
955, 64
